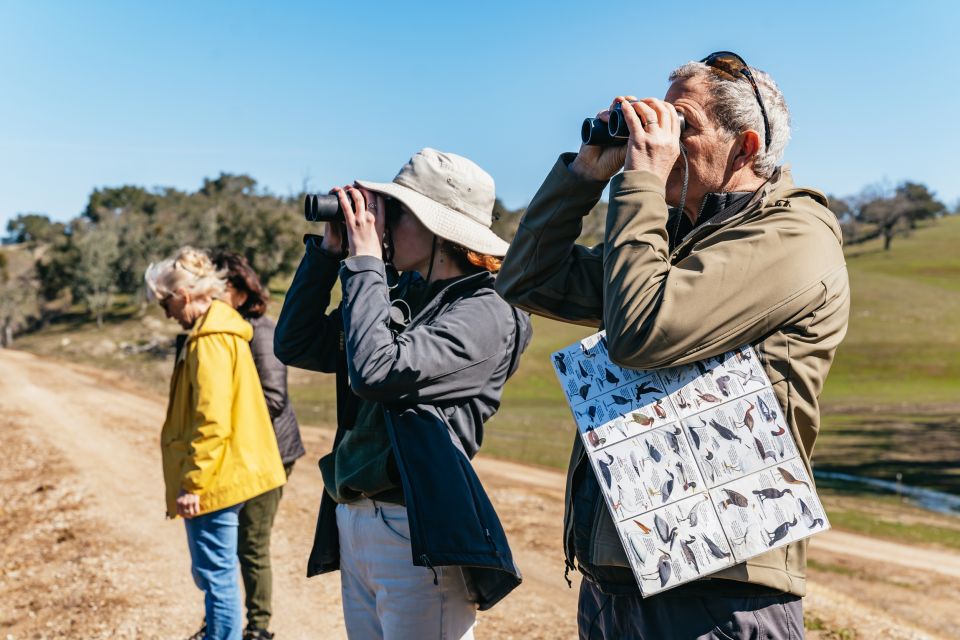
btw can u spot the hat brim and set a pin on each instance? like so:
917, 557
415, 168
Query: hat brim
445, 222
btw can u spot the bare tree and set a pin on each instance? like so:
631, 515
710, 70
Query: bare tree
889, 214
18, 298
894, 210
878, 207
99, 249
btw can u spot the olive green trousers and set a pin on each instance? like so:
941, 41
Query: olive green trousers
253, 551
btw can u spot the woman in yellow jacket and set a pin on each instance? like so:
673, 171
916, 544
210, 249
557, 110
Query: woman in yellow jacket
218, 444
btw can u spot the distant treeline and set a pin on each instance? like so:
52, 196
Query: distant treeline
105, 250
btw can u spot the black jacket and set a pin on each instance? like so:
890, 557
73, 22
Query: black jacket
273, 379
438, 381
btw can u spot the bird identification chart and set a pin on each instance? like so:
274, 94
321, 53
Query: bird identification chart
697, 463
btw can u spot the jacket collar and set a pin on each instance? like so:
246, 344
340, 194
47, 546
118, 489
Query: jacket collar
471, 282
715, 208
721, 206
734, 205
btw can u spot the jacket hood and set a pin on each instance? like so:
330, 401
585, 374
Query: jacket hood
780, 187
222, 318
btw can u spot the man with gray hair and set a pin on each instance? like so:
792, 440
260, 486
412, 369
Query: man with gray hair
708, 246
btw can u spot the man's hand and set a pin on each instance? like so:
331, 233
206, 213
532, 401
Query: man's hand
365, 214
654, 142
188, 504
595, 162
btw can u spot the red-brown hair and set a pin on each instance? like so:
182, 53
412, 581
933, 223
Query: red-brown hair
471, 261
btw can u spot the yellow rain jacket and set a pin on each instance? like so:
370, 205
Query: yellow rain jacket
217, 440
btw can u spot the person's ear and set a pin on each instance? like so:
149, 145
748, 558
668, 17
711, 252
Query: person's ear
748, 146
185, 295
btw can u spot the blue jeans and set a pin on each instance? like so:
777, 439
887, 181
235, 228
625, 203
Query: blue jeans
212, 539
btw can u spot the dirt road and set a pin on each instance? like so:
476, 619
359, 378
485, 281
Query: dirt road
87, 552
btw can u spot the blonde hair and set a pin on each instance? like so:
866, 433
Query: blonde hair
191, 270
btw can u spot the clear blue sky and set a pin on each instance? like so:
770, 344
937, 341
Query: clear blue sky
111, 93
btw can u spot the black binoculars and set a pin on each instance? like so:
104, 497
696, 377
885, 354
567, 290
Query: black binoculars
322, 207
596, 132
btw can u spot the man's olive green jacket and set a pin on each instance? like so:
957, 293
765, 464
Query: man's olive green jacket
771, 275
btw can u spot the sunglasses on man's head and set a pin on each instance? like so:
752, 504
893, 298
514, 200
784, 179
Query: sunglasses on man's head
729, 64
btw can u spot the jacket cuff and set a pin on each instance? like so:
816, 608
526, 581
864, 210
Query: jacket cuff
359, 264
637, 199
567, 181
635, 181
313, 245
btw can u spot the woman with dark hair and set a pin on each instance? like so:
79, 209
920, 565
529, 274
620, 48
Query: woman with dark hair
249, 297
421, 361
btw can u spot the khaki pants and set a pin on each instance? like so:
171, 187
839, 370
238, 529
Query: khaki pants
384, 595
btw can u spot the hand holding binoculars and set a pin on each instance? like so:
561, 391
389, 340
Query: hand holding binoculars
596, 132
321, 207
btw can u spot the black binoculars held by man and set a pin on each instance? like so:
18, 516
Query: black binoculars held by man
596, 132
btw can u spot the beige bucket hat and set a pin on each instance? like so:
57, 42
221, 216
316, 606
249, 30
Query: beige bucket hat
450, 195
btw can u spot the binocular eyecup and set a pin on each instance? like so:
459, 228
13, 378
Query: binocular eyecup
596, 132
321, 207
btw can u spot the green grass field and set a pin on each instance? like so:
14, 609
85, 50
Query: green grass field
903, 345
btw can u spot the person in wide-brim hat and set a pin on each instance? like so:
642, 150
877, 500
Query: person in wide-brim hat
450, 195
450, 203
421, 364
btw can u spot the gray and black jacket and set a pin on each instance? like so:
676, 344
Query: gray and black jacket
438, 380
273, 379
